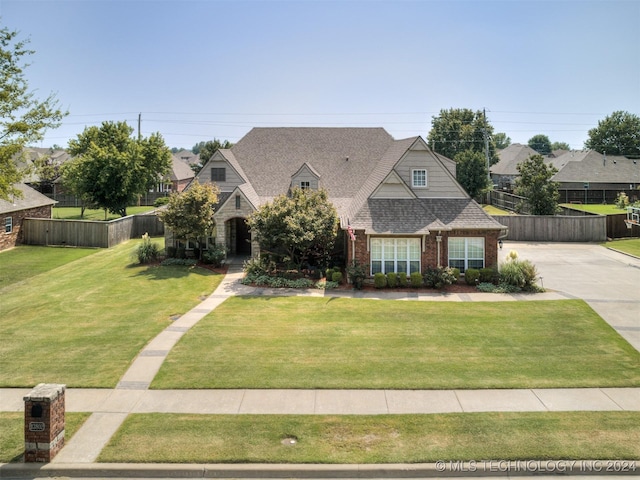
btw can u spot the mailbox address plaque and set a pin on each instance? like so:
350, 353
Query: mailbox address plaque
36, 426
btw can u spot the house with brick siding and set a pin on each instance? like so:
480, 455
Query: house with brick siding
32, 204
400, 199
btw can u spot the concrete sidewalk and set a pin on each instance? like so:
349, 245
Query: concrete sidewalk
336, 402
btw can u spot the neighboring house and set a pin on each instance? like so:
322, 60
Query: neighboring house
188, 157
53, 159
32, 204
505, 171
592, 177
178, 177
401, 200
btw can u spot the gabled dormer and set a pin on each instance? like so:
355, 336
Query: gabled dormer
222, 169
393, 187
306, 178
426, 174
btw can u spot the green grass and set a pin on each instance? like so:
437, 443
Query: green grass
375, 439
296, 342
491, 210
24, 262
12, 433
599, 209
632, 246
82, 323
73, 213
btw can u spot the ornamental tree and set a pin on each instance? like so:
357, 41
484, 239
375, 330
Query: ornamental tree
535, 184
296, 229
111, 168
189, 214
23, 118
471, 172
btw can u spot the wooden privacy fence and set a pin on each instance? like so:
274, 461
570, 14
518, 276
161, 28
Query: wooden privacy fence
80, 233
538, 228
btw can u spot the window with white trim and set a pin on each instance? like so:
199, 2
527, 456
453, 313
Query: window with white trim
466, 252
395, 255
419, 178
305, 185
8, 224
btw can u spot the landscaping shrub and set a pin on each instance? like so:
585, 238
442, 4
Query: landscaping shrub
416, 280
328, 274
438, 277
181, 252
171, 252
258, 266
392, 280
188, 262
402, 279
379, 280
147, 251
336, 277
215, 255
456, 273
519, 273
487, 275
326, 285
471, 275
159, 202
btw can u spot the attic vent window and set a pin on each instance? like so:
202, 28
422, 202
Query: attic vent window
218, 174
419, 178
305, 185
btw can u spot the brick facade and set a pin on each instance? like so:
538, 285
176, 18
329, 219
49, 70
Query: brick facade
429, 255
44, 422
9, 240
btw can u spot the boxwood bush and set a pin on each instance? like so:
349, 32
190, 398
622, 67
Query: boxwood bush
379, 280
416, 280
402, 279
471, 276
392, 280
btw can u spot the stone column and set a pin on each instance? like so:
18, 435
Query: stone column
44, 411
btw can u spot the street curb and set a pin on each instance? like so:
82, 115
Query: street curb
502, 468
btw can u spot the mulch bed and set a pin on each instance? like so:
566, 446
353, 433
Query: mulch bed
459, 287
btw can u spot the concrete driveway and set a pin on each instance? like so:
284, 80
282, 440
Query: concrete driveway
608, 281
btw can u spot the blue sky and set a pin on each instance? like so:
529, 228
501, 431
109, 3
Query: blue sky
198, 70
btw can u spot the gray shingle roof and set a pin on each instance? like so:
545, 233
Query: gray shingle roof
30, 199
510, 157
421, 216
180, 169
591, 166
341, 156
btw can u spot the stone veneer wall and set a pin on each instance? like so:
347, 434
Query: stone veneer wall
9, 240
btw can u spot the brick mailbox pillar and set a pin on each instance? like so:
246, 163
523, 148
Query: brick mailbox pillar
43, 422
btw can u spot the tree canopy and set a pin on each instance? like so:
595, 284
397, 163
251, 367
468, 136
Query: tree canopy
535, 184
471, 172
501, 140
541, 144
460, 129
23, 118
189, 214
111, 168
560, 146
616, 134
296, 229
205, 151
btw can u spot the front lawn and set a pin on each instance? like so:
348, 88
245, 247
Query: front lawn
631, 246
301, 342
12, 433
23, 262
163, 438
82, 323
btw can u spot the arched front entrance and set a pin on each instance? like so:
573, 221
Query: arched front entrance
238, 237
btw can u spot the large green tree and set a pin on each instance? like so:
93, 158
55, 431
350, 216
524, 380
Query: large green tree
296, 229
459, 129
560, 146
617, 134
205, 151
501, 140
189, 214
541, 144
23, 118
535, 184
111, 168
471, 172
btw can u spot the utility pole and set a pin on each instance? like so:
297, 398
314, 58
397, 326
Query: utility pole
139, 121
486, 143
